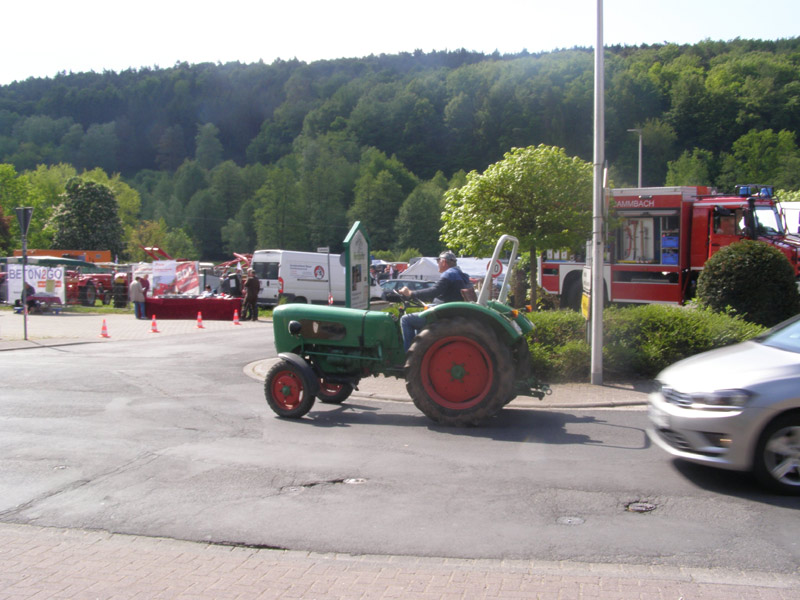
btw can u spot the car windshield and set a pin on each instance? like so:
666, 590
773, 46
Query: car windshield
785, 337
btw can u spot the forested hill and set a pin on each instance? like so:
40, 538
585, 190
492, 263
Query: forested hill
704, 107
441, 111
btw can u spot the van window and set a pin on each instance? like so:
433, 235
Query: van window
266, 270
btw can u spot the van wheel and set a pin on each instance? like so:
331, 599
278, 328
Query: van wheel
286, 391
459, 372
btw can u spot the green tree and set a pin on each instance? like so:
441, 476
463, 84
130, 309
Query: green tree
14, 192
128, 198
279, 218
88, 218
99, 147
208, 148
691, 168
204, 219
537, 194
47, 185
420, 219
762, 157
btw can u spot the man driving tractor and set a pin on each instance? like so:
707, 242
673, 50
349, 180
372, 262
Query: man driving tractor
448, 289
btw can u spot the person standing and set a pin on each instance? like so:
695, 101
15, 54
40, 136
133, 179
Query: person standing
145, 284
138, 298
250, 303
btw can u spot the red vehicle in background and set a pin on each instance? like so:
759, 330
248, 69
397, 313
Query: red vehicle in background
663, 237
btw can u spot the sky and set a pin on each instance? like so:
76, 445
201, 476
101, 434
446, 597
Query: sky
41, 38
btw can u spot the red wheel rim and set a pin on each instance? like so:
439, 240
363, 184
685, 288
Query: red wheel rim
287, 389
457, 373
329, 389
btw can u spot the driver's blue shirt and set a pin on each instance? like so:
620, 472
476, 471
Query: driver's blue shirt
447, 289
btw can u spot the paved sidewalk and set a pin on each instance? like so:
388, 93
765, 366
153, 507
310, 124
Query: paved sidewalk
40, 562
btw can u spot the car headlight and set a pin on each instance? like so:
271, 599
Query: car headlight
720, 399
716, 400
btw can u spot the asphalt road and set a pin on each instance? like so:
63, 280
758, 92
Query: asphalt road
168, 436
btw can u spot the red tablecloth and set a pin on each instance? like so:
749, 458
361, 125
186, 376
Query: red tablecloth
213, 309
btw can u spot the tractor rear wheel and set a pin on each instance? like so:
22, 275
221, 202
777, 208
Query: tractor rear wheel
88, 295
459, 373
285, 389
333, 393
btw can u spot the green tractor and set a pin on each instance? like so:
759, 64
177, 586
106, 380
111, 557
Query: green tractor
469, 361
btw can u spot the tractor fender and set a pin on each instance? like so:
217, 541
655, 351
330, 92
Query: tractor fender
502, 326
311, 380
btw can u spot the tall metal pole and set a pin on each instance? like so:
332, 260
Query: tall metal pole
597, 213
639, 131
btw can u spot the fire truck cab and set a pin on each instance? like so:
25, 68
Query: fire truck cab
662, 237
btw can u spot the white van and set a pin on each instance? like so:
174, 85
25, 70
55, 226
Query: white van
307, 277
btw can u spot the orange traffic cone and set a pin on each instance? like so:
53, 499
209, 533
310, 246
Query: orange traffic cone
236, 316
200, 320
154, 327
104, 330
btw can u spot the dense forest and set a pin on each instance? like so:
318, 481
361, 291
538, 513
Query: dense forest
210, 159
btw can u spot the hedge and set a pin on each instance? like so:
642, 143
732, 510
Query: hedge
638, 341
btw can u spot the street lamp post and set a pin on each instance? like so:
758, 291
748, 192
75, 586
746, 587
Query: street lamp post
639, 131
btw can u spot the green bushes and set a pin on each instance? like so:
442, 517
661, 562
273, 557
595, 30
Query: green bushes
752, 279
638, 341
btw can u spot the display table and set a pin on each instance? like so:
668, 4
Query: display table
212, 309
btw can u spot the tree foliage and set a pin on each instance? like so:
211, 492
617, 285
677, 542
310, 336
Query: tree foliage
752, 279
538, 194
88, 218
360, 135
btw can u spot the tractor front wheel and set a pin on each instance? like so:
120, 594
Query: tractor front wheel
459, 373
286, 391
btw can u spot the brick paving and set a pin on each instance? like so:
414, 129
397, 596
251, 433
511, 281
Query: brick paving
38, 562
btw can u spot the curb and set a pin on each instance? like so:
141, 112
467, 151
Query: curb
564, 396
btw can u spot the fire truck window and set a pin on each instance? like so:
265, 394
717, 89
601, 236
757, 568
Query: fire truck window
725, 225
637, 240
767, 221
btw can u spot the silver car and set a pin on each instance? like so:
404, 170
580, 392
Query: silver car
736, 408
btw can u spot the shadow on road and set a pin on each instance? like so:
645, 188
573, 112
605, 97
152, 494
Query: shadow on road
732, 483
510, 425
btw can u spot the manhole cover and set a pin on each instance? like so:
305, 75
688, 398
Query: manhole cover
570, 521
640, 507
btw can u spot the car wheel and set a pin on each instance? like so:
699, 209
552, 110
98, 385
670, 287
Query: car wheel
285, 389
777, 459
459, 373
333, 393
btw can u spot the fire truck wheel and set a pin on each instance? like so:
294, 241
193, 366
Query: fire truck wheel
333, 393
88, 295
286, 391
571, 298
459, 372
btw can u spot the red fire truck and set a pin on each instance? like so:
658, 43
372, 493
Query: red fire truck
663, 236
